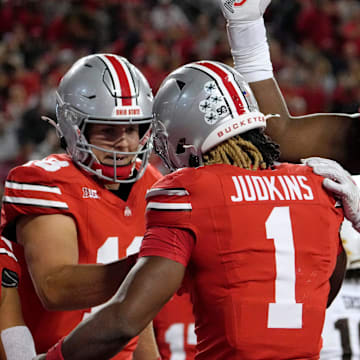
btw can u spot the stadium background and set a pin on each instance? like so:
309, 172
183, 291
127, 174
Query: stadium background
315, 48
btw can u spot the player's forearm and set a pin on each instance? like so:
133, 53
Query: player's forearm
146, 348
150, 284
82, 286
271, 101
101, 336
299, 136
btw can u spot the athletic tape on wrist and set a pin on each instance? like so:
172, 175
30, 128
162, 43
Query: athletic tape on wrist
18, 343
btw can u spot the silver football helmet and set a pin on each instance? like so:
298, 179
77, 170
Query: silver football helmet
105, 89
197, 107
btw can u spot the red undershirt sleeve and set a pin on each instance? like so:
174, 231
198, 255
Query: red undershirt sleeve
172, 243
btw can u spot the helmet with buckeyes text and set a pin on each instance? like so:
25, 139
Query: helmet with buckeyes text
105, 89
197, 107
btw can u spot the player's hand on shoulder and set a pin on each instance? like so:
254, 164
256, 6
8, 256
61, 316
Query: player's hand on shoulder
339, 182
243, 10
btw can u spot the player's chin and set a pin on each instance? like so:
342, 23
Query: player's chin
119, 163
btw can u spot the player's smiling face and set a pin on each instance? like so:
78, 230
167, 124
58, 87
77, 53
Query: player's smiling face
124, 138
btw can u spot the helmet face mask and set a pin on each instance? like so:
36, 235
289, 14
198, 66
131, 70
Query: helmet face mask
165, 150
105, 89
197, 107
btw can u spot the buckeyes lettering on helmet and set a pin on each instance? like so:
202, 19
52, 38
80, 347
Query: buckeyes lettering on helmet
216, 103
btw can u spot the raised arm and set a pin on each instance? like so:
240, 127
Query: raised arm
327, 135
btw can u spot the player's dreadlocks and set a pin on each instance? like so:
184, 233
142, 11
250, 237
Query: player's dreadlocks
251, 150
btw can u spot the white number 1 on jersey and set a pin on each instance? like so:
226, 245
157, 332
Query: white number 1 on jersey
284, 313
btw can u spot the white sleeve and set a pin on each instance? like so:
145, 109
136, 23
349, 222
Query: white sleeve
247, 38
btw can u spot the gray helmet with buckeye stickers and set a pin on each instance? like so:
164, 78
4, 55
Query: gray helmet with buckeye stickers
105, 89
197, 107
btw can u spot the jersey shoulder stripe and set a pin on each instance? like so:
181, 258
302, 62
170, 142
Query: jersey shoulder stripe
168, 199
35, 202
32, 187
158, 206
7, 244
166, 192
3, 251
33, 194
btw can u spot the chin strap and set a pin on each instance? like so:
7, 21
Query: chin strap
122, 172
54, 124
59, 133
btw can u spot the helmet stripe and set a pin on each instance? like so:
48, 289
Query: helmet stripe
125, 86
225, 78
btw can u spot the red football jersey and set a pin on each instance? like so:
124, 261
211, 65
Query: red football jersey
7, 258
175, 329
266, 244
108, 229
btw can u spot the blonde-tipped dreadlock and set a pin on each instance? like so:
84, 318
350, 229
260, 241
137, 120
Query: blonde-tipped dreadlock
236, 151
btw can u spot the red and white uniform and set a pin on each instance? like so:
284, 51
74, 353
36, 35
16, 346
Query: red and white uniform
175, 329
7, 258
108, 229
259, 246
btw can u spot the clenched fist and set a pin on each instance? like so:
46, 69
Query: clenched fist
243, 10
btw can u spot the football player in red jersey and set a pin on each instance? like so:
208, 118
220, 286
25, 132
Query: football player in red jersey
254, 243
297, 136
77, 214
174, 329
16, 340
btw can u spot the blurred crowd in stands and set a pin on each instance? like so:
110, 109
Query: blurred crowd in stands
315, 47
